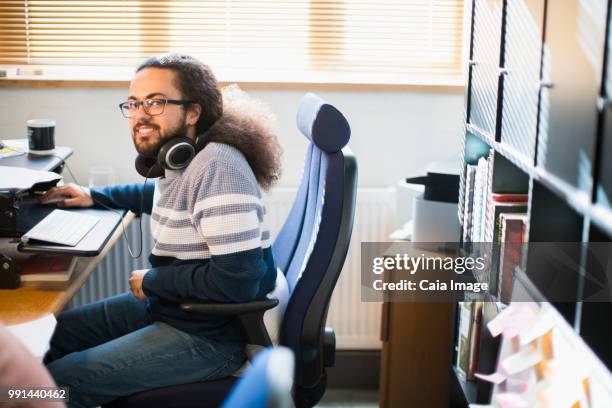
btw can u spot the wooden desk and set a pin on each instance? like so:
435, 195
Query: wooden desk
36, 299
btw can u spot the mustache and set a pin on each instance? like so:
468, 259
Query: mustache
139, 124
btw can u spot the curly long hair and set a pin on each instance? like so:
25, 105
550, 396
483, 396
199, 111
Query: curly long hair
229, 116
249, 126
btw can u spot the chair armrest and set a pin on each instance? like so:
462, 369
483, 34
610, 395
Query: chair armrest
249, 314
228, 309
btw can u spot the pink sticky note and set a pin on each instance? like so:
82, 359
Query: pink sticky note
521, 321
513, 320
495, 378
509, 400
517, 385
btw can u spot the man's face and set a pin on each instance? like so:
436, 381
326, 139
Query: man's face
151, 132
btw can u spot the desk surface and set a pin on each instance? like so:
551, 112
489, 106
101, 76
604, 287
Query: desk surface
36, 299
34, 162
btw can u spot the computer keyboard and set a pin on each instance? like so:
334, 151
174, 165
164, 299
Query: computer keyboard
62, 227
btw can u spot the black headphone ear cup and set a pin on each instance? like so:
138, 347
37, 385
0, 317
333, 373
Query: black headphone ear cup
148, 167
176, 153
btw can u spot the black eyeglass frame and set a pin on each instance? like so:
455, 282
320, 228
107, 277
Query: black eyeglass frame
182, 102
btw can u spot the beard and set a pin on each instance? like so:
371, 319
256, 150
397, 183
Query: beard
150, 148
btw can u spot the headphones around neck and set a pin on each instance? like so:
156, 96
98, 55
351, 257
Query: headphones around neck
175, 154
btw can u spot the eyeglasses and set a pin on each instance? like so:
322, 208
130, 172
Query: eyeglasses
152, 106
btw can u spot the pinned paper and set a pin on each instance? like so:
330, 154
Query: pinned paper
495, 378
522, 360
561, 391
512, 320
497, 324
544, 322
519, 385
509, 400
572, 369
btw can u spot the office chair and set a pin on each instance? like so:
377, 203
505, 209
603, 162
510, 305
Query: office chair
310, 249
266, 383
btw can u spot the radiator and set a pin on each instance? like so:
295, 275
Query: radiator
357, 324
112, 274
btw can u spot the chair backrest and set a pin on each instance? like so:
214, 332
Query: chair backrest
312, 245
266, 383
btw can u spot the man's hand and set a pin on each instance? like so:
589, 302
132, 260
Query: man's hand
136, 283
76, 196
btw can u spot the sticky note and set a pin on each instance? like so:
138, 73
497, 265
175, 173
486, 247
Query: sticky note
544, 321
522, 360
509, 400
495, 378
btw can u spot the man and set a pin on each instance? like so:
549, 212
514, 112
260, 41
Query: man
210, 242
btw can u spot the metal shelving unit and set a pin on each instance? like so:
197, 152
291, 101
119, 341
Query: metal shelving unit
542, 114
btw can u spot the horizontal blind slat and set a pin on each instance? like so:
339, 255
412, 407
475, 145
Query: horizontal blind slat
358, 35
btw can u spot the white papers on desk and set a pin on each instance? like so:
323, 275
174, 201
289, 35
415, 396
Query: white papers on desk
35, 334
19, 178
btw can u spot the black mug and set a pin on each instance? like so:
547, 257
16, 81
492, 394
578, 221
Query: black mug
41, 135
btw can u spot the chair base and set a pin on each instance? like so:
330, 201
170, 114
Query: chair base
209, 394
307, 397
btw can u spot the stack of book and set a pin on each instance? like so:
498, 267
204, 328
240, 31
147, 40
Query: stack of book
51, 268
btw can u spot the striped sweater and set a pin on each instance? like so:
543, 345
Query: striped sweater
210, 237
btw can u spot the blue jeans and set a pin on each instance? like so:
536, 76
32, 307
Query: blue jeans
113, 348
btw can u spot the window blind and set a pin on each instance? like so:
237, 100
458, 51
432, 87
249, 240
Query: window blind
379, 39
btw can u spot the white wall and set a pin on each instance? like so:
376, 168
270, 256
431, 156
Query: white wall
394, 134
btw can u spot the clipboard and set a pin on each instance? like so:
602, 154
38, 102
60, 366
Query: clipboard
91, 245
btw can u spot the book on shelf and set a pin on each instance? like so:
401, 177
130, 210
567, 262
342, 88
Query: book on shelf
468, 339
468, 209
463, 336
512, 234
500, 204
479, 204
475, 329
53, 268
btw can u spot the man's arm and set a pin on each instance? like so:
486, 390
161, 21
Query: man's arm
134, 197
226, 278
127, 196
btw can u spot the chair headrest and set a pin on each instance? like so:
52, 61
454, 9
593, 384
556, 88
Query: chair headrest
323, 124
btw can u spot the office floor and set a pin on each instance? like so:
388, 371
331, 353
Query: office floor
349, 398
